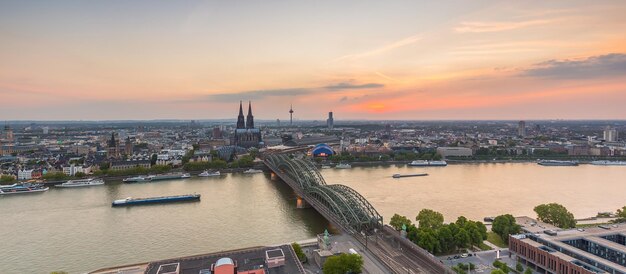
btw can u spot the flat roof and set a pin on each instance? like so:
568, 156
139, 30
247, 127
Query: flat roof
592, 234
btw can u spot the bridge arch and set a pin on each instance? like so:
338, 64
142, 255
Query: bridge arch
347, 205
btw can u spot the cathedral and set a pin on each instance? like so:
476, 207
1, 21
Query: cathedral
246, 135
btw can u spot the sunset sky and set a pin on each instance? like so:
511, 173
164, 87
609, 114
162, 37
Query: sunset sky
417, 60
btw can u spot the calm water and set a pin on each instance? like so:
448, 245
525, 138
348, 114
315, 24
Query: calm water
76, 230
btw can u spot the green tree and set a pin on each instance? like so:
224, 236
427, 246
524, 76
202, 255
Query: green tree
153, 159
528, 271
428, 218
342, 264
398, 220
446, 239
555, 214
427, 239
497, 271
298, 250
4, 179
504, 225
519, 267
621, 215
462, 238
79, 175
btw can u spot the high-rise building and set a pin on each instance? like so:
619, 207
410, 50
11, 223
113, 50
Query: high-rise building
330, 122
610, 134
521, 129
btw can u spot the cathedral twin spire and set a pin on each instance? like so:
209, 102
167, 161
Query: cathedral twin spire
249, 121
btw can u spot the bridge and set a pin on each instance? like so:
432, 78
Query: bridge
353, 214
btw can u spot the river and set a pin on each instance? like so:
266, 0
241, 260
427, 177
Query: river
77, 230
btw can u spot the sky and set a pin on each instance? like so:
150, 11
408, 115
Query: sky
376, 60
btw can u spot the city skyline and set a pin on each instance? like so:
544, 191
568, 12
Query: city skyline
456, 60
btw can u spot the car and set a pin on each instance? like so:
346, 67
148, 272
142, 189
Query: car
464, 255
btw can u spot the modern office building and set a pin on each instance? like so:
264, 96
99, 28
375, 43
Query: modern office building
610, 134
521, 129
330, 122
599, 249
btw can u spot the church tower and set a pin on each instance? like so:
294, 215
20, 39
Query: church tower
250, 118
240, 120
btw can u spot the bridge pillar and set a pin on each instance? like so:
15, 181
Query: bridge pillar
301, 203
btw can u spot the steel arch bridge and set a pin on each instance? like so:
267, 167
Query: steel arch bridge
346, 205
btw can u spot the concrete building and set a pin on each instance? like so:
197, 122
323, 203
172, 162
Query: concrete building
592, 250
122, 165
25, 174
521, 129
73, 169
578, 150
454, 151
610, 134
330, 122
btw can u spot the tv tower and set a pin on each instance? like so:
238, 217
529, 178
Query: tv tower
290, 114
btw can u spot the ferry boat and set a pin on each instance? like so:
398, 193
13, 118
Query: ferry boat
252, 171
343, 166
428, 163
160, 177
206, 173
608, 163
82, 182
397, 175
22, 188
557, 163
155, 200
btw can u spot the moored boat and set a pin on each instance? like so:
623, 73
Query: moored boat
82, 182
137, 179
608, 163
22, 188
557, 163
343, 166
428, 163
252, 171
326, 167
156, 200
206, 173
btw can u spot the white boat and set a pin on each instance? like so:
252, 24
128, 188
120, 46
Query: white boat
206, 173
82, 182
252, 171
557, 163
609, 163
326, 167
343, 166
428, 163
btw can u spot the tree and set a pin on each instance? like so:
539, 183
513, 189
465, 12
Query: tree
79, 175
427, 239
462, 239
446, 239
519, 267
504, 225
398, 220
621, 215
342, 264
298, 250
428, 218
497, 271
7, 179
528, 271
555, 214
153, 159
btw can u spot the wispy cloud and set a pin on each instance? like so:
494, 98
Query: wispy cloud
497, 26
608, 65
385, 48
264, 93
341, 86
